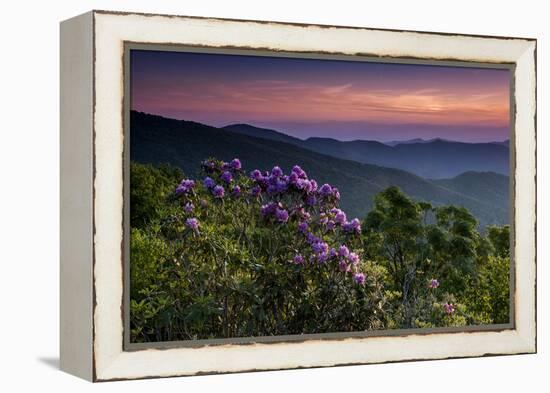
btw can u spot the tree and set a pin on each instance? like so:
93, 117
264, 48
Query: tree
500, 240
418, 242
488, 291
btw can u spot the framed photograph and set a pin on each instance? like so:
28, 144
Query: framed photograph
246, 195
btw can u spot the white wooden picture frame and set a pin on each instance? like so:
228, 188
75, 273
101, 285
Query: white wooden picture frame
92, 195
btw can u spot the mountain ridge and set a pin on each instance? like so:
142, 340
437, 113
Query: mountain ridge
157, 140
435, 158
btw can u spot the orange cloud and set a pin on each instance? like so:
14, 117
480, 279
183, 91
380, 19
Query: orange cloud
272, 99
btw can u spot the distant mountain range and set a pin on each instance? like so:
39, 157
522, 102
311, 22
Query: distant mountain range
435, 159
415, 140
185, 144
421, 140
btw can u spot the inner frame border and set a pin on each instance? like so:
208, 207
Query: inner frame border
128, 46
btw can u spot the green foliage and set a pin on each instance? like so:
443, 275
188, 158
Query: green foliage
234, 276
500, 240
488, 291
149, 189
417, 242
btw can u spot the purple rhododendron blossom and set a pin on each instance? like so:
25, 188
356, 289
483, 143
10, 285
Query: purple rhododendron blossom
269, 208
236, 164
271, 189
281, 215
311, 238
255, 191
276, 171
319, 247
323, 257
302, 226
281, 185
330, 225
340, 217
272, 179
256, 175
218, 191
209, 165
359, 278
189, 207
332, 253
293, 178
265, 209
192, 223
311, 200
343, 266
353, 258
208, 182
336, 193
343, 251
236, 191
325, 190
227, 177
185, 186
449, 308
304, 185
352, 226
314, 185
298, 259
433, 284
299, 171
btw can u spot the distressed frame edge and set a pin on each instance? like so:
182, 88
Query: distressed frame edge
76, 196
528, 340
304, 24
528, 97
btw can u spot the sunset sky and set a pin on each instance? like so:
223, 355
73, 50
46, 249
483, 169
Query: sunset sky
340, 99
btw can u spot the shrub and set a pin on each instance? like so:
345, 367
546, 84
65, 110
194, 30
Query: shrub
246, 255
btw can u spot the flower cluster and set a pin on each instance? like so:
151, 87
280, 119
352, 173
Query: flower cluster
276, 182
276, 211
359, 278
353, 226
192, 223
226, 173
433, 284
449, 308
296, 197
336, 217
288, 200
185, 186
218, 191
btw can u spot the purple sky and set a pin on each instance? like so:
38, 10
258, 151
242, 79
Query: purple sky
344, 100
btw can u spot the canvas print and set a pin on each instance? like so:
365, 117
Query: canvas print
288, 196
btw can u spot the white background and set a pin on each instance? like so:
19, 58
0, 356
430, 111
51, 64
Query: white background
29, 197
